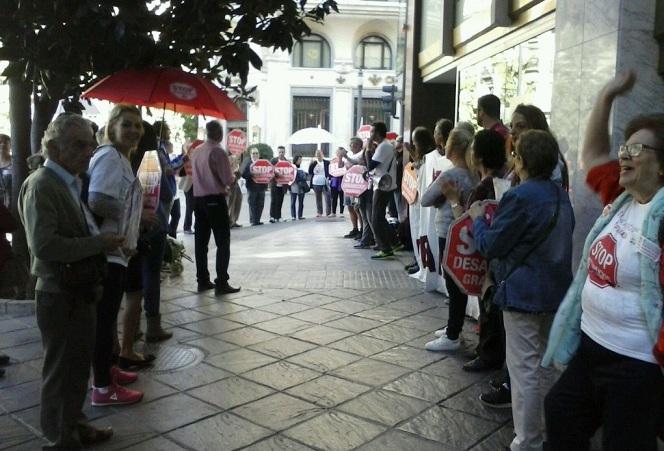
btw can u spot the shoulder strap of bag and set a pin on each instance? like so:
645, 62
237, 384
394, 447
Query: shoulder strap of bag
540, 240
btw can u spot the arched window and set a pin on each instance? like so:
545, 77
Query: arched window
312, 51
373, 52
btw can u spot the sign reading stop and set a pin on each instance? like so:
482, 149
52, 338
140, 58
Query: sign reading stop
462, 260
353, 184
337, 167
236, 142
364, 132
409, 184
261, 171
284, 173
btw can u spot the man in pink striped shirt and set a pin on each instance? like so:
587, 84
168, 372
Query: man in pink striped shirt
212, 175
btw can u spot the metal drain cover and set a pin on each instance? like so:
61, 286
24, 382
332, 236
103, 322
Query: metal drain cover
171, 358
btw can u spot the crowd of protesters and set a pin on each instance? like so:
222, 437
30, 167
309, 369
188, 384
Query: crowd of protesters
94, 242
604, 323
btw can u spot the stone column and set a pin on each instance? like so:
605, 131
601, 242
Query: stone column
595, 39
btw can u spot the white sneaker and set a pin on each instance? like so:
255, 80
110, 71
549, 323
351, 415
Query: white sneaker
443, 344
440, 332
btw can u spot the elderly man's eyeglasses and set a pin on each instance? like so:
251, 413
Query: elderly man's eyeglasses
633, 150
81, 144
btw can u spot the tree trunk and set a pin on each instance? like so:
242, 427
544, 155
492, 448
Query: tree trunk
19, 117
43, 112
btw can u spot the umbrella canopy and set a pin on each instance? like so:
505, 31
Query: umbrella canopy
168, 88
311, 136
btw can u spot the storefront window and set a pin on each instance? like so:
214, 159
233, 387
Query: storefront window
521, 74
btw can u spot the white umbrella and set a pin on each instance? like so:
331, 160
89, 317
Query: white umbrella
311, 135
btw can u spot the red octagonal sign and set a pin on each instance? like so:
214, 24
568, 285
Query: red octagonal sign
284, 172
236, 141
261, 171
353, 183
602, 262
462, 260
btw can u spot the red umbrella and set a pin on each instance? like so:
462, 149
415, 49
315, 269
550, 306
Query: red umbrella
167, 88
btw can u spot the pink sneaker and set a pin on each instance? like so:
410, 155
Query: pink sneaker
122, 377
116, 395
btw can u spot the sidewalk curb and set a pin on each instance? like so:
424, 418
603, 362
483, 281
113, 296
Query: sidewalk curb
15, 307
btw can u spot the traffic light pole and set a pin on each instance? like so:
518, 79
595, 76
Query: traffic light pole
358, 112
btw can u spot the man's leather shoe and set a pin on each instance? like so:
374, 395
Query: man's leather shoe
478, 365
226, 289
90, 435
205, 286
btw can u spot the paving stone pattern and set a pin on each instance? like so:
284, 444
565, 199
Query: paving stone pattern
322, 349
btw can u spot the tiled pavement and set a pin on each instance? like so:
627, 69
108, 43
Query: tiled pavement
322, 349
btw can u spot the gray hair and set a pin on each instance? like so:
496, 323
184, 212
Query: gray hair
57, 131
357, 140
467, 126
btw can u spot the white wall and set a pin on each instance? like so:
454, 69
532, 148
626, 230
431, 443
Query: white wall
271, 115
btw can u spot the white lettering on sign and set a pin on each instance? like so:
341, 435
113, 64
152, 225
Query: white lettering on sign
261, 170
234, 139
182, 91
354, 178
476, 264
602, 255
467, 245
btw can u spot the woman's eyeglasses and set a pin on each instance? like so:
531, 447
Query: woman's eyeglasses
633, 150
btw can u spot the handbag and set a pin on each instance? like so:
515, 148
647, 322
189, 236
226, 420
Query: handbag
83, 274
385, 180
500, 287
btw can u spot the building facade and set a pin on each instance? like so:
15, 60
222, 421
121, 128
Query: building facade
555, 54
318, 84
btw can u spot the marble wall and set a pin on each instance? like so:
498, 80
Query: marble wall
595, 39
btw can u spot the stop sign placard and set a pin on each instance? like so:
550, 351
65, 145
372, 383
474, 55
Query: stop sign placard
409, 184
353, 184
284, 172
462, 260
261, 171
364, 132
337, 167
236, 141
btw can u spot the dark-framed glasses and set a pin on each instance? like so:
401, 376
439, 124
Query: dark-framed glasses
81, 144
633, 150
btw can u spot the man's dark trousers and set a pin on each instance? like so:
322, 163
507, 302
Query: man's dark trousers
67, 325
256, 200
383, 233
276, 201
212, 217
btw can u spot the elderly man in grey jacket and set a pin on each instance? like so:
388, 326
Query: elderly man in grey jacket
60, 231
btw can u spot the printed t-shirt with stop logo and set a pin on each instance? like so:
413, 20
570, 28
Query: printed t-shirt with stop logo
612, 314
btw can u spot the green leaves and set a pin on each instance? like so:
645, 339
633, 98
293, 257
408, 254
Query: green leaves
60, 46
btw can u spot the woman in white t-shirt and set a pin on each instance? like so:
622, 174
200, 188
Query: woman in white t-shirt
319, 170
115, 196
608, 324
